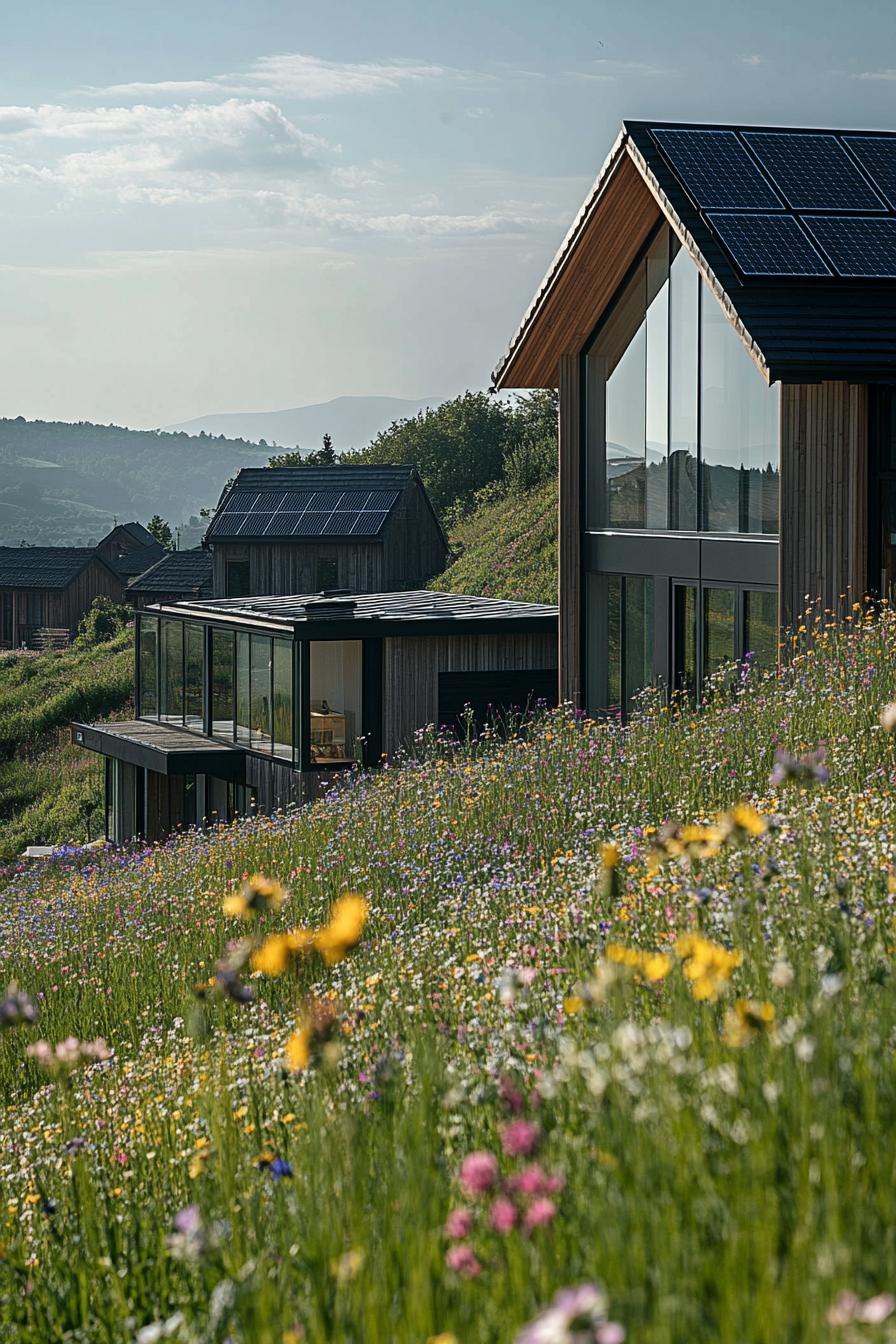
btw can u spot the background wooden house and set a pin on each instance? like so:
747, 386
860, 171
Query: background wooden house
721, 324
50, 587
286, 530
178, 575
130, 549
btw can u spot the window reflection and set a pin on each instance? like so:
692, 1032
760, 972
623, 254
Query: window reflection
283, 712
261, 708
685, 675
243, 715
761, 637
172, 708
149, 670
719, 628
684, 299
193, 669
222, 683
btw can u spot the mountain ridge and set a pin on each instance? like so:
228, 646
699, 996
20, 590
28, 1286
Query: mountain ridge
351, 421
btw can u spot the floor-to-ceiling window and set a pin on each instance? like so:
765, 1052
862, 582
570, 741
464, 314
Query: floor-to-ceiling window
681, 488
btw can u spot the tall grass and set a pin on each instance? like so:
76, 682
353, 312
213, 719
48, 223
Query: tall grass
724, 1171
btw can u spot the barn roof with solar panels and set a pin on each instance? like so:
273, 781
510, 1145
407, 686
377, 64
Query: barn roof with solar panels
296, 504
794, 229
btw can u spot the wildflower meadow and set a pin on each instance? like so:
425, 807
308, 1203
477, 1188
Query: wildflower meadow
582, 1032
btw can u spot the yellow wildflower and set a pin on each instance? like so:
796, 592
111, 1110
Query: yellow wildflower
707, 965
298, 1049
746, 1020
272, 958
348, 916
257, 894
610, 855
653, 966
745, 818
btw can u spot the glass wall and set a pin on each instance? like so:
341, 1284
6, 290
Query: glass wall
194, 668
261, 710
172, 671
283, 697
335, 668
664, 350
148, 644
222, 683
243, 714
719, 628
761, 637
620, 630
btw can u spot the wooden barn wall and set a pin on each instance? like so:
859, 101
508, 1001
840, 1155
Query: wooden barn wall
411, 668
62, 609
276, 785
823, 551
569, 537
282, 568
414, 549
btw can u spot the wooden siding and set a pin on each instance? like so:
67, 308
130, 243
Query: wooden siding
410, 552
411, 668
62, 609
823, 551
569, 543
276, 784
566, 314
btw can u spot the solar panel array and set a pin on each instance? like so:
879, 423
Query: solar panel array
308, 513
792, 203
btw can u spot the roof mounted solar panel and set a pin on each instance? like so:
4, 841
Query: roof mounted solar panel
354, 499
340, 523
381, 499
233, 520
281, 524
716, 169
862, 247
877, 155
369, 524
242, 501
325, 501
268, 501
254, 525
770, 245
297, 501
812, 172
309, 525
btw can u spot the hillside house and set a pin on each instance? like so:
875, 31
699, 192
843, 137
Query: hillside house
130, 549
50, 588
721, 324
257, 703
178, 575
365, 529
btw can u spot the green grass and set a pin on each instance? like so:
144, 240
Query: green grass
721, 1183
507, 548
48, 788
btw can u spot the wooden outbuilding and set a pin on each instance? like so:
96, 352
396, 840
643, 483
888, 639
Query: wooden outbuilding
721, 325
367, 529
178, 575
50, 588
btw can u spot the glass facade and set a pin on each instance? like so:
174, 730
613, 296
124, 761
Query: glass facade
261, 709
172, 671
222, 683
620, 617
676, 411
335, 684
283, 697
148, 667
194, 664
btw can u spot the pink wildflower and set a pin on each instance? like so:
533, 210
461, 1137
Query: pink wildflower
534, 1180
463, 1261
459, 1224
539, 1212
478, 1173
520, 1138
503, 1214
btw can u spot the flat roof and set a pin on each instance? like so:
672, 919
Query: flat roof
371, 615
166, 748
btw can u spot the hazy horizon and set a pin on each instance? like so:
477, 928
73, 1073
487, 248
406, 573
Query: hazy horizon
209, 211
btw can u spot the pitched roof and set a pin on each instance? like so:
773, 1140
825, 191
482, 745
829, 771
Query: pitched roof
794, 230
341, 503
135, 530
340, 616
187, 572
43, 566
138, 561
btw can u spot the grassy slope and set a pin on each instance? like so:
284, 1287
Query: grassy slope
507, 549
720, 1189
46, 784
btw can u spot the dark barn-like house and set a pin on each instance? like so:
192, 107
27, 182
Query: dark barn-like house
721, 324
177, 576
283, 530
260, 702
130, 549
45, 590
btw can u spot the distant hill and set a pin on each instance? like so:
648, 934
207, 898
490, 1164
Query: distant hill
351, 421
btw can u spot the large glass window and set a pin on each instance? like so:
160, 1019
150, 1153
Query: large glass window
664, 349
243, 715
283, 709
172, 707
335, 700
261, 722
194, 667
148, 637
761, 635
684, 641
222, 683
620, 629
738, 431
719, 628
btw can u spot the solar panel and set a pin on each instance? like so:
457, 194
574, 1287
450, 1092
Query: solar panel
254, 525
325, 501
268, 502
233, 519
381, 499
354, 499
340, 523
281, 524
297, 501
768, 245
369, 523
717, 170
309, 525
813, 172
861, 247
242, 502
877, 155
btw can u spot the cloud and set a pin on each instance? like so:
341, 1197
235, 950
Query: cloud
752, 58
291, 74
477, 113
877, 74
606, 69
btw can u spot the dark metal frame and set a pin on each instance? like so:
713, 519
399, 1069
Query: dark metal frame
880, 397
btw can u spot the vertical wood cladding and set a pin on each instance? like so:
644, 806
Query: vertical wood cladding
62, 609
823, 549
569, 543
411, 668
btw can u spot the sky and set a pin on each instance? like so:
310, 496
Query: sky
231, 206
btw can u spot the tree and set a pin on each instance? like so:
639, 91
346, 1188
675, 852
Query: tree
325, 456
102, 622
158, 528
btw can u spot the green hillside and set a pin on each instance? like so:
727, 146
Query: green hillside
51, 792
620, 1020
507, 548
